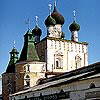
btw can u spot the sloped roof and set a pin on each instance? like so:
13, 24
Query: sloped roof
29, 52
13, 58
93, 68
90, 71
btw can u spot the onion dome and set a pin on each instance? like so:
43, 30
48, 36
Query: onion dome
36, 31
58, 17
74, 26
54, 18
50, 21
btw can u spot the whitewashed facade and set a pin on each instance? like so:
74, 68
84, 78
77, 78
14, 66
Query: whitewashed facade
84, 85
66, 55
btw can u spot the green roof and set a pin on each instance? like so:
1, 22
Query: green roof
13, 58
29, 52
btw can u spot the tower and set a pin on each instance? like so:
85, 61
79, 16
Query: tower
29, 52
29, 68
8, 78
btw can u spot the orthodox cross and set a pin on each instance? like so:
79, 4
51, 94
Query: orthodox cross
55, 3
28, 23
14, 43
74, 15
36, 18
50, 8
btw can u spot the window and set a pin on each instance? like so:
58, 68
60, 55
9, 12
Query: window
8, 79
28, 68
27, 80
27, 83
25, 97
57, 65
58, 61
92, 85
78, 61
30, 37
24, 68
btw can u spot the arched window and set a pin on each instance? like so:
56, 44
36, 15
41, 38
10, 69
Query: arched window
58, 60
58, 63
8, 79
24, 68
92, 85
78, 61
27, 80
28, 68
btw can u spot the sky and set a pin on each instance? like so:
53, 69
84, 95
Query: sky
14, 13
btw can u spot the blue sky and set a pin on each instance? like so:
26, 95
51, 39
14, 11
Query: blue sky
14, 13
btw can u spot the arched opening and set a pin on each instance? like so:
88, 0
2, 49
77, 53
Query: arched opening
78, 61
58, 63
92, 85
27, 81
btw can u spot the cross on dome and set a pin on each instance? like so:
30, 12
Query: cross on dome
36, 18
55, 3
50, 8
28, 23
14, 43
74, 12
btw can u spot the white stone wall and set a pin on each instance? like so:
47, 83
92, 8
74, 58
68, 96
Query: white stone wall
68, 50
35, 71
77, 89
54, 31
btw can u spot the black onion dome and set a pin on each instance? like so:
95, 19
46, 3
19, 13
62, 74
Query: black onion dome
58, 17
50, 21
36, 31
74, 26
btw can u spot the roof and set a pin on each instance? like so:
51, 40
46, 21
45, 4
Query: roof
74, 26
90, 68
37, 31
87, 72
64, 40
54, 18
29, 51
13, 58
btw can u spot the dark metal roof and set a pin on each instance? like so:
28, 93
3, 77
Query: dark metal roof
74, 26
54, 18
90, 69
37, 31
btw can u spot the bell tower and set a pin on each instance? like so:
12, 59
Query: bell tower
8, 78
